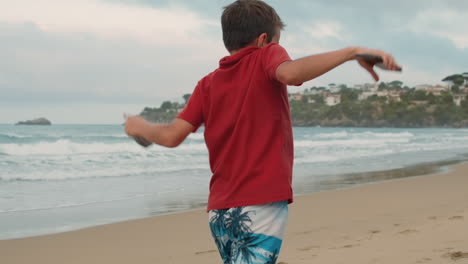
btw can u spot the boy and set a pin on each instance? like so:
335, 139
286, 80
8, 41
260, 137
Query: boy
245, 109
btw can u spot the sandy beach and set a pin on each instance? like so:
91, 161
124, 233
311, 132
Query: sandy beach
412, 220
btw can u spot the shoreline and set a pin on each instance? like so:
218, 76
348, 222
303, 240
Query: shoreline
335, 182
418, 219
354, 180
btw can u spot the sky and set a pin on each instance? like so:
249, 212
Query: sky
90, 61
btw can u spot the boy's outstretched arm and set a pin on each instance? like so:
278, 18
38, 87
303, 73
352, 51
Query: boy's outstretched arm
308, 68
170, 135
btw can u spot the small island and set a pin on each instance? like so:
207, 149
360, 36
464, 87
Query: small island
38, 122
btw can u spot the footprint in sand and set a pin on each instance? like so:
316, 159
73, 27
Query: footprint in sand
443, 250
304, 232
457, 217
351, 245
432, 218
408, 231
205, 252
308, 248
372, 233
456, 255
424, 260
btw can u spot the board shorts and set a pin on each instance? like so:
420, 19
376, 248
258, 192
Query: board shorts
249, 234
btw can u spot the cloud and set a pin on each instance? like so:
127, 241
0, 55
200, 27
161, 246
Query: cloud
108, 19
49, 61
446, 23
325, 29
141, 52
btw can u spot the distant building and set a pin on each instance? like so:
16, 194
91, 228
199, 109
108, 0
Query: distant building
438, 89
383, 93
367, 87
365, 95
458, 98
313, 91
424, 87
333, 99
295, 97
394, 95
434, 89
441, 87
334, 88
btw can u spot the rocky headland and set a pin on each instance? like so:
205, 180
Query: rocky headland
38, 121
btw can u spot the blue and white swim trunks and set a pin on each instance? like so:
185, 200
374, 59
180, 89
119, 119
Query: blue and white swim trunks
249, 234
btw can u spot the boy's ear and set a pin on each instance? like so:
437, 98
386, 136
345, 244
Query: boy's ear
262, 40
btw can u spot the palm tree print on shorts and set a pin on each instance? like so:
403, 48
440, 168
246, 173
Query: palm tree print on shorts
237, 243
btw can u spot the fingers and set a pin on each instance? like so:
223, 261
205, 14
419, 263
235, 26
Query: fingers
130, 125
370, 68
134, 125
373, 73
390, 63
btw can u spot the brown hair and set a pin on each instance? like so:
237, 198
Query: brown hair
244, 20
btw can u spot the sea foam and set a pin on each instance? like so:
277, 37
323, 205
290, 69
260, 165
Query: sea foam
68, 147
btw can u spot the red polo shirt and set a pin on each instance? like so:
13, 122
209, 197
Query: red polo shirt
248, 130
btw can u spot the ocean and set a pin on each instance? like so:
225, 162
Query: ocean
66, 177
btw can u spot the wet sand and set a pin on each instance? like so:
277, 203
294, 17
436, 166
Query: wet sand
409, 220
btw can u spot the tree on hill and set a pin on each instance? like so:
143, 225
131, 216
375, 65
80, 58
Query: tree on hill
456, 79
166, 105
382, 86
396, 84
348, 94
455, 88
186, 97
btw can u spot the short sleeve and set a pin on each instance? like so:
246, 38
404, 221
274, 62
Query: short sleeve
273, 56
193, 111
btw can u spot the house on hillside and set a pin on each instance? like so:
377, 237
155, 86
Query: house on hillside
394, 95
441, 87
364, 95
438, 89
383, 93
423, 87
333, 99
334, 88
458, 98
367, 87
434, 89
315, 91
295, 97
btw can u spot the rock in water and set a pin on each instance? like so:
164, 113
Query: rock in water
38, 121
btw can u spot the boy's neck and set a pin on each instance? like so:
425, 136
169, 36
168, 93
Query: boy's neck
260, 42
233, 52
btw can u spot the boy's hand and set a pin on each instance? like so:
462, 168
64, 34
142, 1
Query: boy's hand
168, 135
387, 60
134, 125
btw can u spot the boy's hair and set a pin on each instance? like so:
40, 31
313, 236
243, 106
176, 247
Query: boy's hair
244, 20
